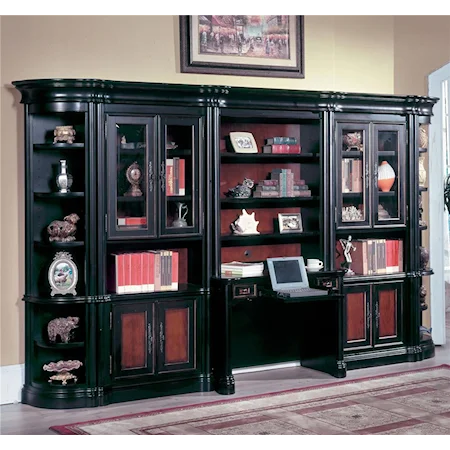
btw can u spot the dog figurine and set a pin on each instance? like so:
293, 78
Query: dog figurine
63, 230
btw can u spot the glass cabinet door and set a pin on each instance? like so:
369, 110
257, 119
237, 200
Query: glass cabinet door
131, 168
353, 175
388, 174
179, 180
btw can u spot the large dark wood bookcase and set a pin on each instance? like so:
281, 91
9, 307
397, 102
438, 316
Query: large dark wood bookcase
146, 344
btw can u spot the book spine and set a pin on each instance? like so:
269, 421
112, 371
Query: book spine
182, 177
282, 148
272, 194
281, 140
271, 182
136, 278
169, 177
130, 221
175, 269
266, 188
302, 193
127, 273
176, 175
157, 271
151, 271
145, 272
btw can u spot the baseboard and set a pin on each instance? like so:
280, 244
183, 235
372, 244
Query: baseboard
285, 365
12, 379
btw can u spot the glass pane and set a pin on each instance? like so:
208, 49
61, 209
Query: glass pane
388, 181
352, 176
179, 178
131, 176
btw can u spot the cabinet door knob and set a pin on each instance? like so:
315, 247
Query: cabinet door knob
150, 176
163, 176
149, 338
161, 337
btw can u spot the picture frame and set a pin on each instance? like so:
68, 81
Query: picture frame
63, 274
243, 142
290, 223
264, 46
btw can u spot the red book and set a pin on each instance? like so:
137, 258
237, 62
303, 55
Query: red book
282, 148
116, 282
151, 271
176, 175
182, 177
157, 271
136, 272
175, 261
127, 273
131, 221
169, 177
145, 272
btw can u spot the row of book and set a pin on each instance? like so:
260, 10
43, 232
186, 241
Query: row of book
175, 176
281, 184
352, 175
128, 221
282, 144
146, 271
237, 269
374, 256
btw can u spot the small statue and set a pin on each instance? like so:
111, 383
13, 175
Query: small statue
243, 190
351, 214
63, 230
353, 141
182, 210
347, 246
134, 177
245, 224
62, 327
63, 369
64, 133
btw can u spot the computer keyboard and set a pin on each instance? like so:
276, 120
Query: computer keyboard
303, 292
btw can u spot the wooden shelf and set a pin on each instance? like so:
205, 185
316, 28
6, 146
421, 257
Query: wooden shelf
59, 345
178, 152
60, 245
272, 238
60, 146
261, 158
58, 195
384, 154
280, 202
352, 154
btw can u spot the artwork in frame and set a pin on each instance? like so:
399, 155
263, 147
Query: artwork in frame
290, 223
63, 274
243, 142
264, 46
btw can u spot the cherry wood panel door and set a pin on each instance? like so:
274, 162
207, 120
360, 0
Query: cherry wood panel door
358, 323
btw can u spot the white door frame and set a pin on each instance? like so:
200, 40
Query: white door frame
438, 216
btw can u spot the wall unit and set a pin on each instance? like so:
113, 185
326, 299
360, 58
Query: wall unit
151, 166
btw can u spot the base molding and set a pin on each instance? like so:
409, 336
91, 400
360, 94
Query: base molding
12, 380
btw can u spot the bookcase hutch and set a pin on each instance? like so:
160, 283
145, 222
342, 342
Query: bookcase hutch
153, 343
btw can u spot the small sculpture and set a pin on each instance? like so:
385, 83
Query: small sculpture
423, 137
348, 247
62, 327
243, 190
424, 258
351, 214
422, 172
422, 222
64, 133
245, 224
63, 369
63, 230
353, 141
382, 213
134, 176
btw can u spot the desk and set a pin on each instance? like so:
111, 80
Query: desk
307, 329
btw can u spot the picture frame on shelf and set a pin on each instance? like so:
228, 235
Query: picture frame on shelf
264, 46
63, 274
243, 142
290, 223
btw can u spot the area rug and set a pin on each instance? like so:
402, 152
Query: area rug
414, 402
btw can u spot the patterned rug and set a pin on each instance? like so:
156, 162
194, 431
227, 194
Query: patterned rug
416, 402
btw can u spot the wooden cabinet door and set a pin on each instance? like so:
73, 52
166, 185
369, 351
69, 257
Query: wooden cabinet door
176, 335
387, 312
358, 321
132, 340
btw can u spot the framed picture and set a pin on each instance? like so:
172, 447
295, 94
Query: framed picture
243, 142
264, 46
290, 222
63, 274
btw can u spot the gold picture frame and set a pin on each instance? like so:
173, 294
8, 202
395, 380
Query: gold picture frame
264, 46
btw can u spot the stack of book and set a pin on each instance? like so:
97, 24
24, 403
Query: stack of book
175, 176
146, 271
352, 175
131, 221
281, 144
281, 184
237, 269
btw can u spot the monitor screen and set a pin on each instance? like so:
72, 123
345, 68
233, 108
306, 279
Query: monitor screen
287, 271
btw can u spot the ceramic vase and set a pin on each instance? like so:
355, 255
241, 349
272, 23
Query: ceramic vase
386, 176
63, 179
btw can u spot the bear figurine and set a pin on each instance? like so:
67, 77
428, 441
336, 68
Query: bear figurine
63, 327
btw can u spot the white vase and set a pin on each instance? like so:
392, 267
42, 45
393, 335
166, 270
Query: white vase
386, 176
422, 171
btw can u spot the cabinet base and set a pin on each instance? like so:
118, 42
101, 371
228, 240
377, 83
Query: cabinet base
98, 396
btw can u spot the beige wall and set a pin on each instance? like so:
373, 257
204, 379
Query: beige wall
356, 55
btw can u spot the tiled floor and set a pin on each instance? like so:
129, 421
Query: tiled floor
24, 419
